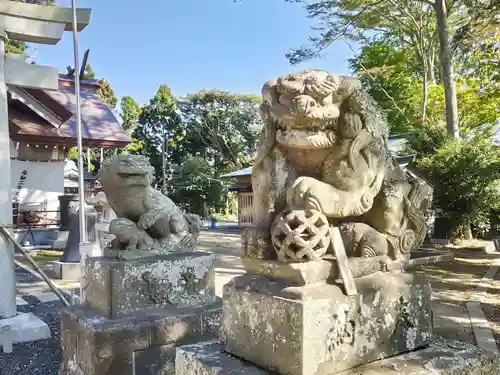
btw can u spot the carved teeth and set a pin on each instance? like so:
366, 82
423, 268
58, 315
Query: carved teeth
306, 139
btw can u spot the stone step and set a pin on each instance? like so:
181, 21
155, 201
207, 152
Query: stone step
442, 357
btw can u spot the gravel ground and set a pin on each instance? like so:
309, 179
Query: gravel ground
40, 357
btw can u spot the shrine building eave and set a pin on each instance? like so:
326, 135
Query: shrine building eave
47, 117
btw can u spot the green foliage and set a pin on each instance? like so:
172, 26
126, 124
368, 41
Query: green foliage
107, 94
410, 22
73, 155
222, 127
389, 74
194, 184
130, 113
88, 72
467, 176
425, 139
207, 134
159, 123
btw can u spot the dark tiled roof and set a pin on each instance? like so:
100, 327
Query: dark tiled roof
100, 126
98, 122
240, 173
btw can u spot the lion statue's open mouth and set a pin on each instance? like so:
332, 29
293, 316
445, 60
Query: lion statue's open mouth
297, 138
305, 107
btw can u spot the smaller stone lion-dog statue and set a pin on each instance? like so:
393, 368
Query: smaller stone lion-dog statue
146, 219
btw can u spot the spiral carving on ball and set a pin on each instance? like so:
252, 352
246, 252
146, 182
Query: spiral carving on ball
299, 235
407, 241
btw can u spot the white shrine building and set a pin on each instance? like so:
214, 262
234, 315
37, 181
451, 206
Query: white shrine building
42, 127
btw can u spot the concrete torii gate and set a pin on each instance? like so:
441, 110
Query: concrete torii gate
36, 24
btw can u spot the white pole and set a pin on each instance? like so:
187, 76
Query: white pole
81, 182
84, 246
8, 291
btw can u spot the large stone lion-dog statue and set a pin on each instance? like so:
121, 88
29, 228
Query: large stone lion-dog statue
324, 149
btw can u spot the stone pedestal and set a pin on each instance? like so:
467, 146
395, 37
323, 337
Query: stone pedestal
286, 319
67, 270
137, 312
141, 343
439, 358
317, 330
117, 287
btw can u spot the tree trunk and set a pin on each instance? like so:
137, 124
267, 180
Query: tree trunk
445, 52
164, 160
425, 87
467, 230
431, 68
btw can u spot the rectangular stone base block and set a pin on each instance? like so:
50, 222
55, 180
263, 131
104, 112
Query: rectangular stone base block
117, 287
439, 358
142, 343
67, 270
317, 330
25, 327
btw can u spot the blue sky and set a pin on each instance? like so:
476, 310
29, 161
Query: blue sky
191, 44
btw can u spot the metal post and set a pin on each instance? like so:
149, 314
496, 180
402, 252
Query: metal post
84, 246
81, 182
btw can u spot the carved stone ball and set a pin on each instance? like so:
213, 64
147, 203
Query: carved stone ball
298, 235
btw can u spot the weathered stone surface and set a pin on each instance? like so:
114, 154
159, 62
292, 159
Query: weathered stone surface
324, 161
317, 330
117, 287
440, 358
302, 273
143, 343
67, 270
157, 360
146, 219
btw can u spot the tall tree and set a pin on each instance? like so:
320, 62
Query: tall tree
88, 72
417, 23
130, 113
446, 59
107, 94
390, 73
159, 127
194, 185
222, 127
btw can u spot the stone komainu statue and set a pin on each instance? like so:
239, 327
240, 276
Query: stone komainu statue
146, 219
323, 162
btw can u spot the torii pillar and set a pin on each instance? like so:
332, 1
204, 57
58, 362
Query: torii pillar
35, 24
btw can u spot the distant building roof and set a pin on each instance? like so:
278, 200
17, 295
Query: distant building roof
237, 187
242, 172
100, 126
